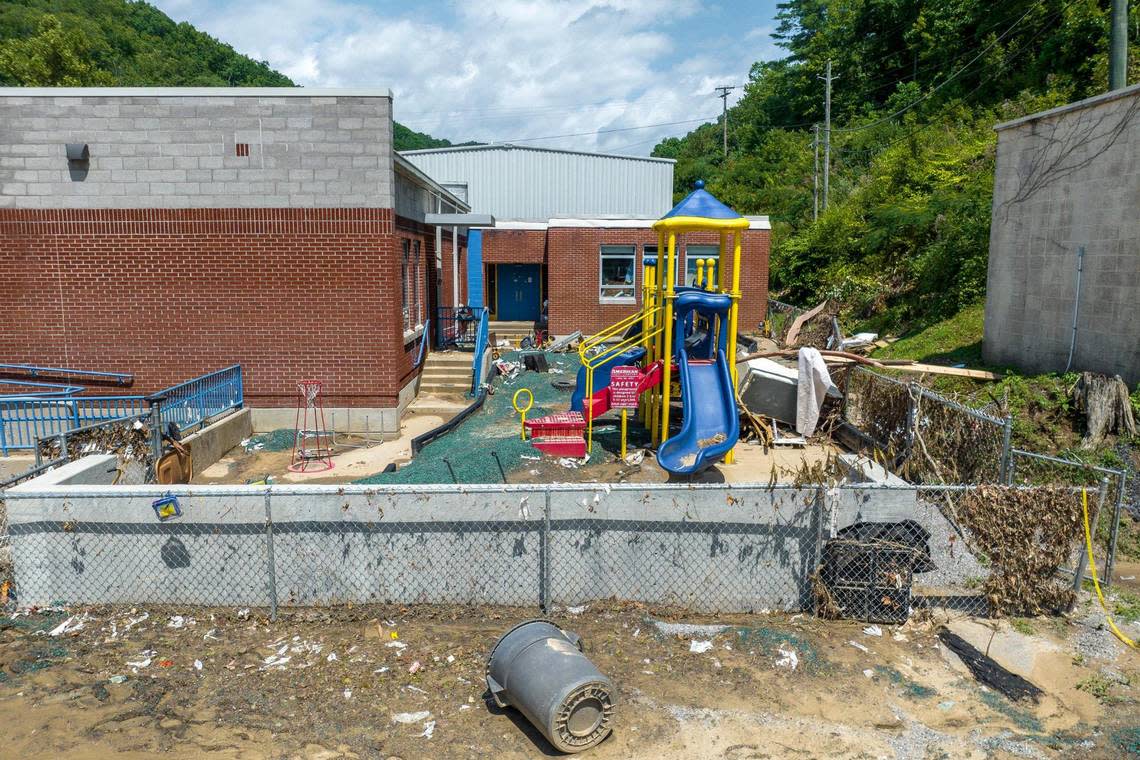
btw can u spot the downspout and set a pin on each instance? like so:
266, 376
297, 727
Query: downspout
1076, 305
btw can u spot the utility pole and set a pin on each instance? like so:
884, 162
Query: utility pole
815, 174
827, 133
1118, 46
723, 95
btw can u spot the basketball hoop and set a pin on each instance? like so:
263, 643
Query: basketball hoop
312, 450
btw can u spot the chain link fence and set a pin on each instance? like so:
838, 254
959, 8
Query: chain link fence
866, 552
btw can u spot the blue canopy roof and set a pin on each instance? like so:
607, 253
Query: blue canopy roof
701, 203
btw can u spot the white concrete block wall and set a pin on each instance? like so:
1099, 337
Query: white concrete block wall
176, 148
1065, 179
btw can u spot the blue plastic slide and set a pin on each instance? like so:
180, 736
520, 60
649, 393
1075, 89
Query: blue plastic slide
711, 423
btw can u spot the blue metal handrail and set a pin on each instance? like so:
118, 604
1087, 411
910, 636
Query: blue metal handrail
192, 403
58, 389
423, 344
482, 335
34, 370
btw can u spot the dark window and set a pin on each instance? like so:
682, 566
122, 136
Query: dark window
243, 149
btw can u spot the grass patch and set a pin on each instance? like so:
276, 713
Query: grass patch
954, 340
1126, 605
1097, 685
1022, 626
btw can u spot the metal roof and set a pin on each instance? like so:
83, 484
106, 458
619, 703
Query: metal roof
524, 183
537, 149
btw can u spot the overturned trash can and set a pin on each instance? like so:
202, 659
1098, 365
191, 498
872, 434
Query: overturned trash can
540, 670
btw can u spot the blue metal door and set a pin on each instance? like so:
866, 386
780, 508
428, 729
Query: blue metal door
520, 292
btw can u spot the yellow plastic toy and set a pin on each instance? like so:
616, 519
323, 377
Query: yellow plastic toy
523, 410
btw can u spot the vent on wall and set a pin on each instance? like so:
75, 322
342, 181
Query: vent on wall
243, 149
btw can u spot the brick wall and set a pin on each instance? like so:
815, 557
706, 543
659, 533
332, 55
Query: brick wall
514, 246
573, 275
168, 294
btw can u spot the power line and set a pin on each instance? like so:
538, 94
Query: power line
608, 131
945, 82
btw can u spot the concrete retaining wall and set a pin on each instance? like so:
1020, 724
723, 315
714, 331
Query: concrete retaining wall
711, 548
212, 442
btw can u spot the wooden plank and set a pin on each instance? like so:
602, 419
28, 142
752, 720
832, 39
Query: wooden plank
937, 369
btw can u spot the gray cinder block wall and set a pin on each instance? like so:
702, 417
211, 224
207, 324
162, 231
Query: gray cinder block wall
1065, 179
176, 148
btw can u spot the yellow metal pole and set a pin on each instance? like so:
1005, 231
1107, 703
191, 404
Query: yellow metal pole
733, 319
722, 283
623, 414
710, 275
655, 408
588, 410
667, 370
700, 283
649, 276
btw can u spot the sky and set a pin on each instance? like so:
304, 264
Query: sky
512, 70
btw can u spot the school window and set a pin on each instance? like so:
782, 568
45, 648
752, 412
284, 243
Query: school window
405, 284
617, 279
706, 252
418, 290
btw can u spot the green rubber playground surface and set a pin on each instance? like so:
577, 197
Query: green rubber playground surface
468, 453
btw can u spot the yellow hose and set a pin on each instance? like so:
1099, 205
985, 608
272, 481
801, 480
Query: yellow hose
1092, 566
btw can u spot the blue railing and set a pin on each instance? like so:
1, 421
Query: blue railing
423, 345
23, 419
34, 370
191, 404
482, 335
27, 417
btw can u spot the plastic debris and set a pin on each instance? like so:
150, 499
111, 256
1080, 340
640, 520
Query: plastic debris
118, 679
415, 667
700, 647
788, 658
210, 635
176, 622
429, 729
138, 425
869, 673
411, 717
873, 630
397, 645
384, 669
197, 664
348, 693
243, 613
635, 457
858, 646
145, 658
331, 658
688, 629
451, 658
73, 623
577, 610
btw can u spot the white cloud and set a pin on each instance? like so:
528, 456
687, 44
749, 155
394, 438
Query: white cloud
498, 71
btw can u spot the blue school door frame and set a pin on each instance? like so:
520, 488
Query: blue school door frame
519, 292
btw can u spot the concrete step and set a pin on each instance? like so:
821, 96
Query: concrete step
462, 361
444, 407
447, 373
444, 388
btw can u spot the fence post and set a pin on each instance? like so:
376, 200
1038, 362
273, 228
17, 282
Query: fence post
911, 417
820, 514
155, 434
1005, 475
1110, 556
271, 565
544, 558
1084, 559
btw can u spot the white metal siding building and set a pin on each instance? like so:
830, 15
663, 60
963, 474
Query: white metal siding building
536, 184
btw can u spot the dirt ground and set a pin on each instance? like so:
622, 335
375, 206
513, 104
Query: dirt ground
327, 684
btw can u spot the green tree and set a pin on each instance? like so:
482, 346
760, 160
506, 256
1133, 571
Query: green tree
54, 57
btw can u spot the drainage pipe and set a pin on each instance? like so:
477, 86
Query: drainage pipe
1076, 305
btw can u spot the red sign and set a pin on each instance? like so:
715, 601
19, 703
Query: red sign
624, 382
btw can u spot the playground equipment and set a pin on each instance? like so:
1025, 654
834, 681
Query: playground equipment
312, 451
687, 329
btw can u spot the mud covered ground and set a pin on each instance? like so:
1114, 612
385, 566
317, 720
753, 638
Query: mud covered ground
96, 683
